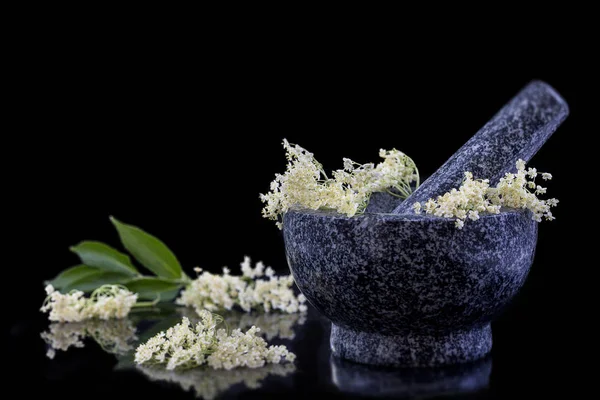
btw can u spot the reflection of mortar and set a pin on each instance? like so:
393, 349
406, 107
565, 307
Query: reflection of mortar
371, 381
408, 290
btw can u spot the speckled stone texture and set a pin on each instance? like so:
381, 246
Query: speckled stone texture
517, 131
452, 347
382, 203
409, 290
365, 380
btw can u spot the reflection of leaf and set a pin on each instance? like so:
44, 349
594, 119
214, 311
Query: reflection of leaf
209, 383
125, 362
159, 327
150, 315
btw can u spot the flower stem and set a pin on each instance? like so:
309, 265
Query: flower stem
140, 304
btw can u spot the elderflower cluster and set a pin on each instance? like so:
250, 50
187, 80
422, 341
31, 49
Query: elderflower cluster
257, 287
106, 302
114, 336
185, 346
473, 197
305, 183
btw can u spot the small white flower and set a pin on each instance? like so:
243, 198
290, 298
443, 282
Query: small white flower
474, 215
532, 173
546, 176
417, 208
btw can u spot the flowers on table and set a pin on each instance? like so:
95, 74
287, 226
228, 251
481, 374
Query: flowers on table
256, 288
106, 302
517, 190
186, 346
305, 183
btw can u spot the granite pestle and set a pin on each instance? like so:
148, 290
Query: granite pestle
517, 131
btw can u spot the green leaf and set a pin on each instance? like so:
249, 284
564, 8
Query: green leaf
149, 288
169, 295
104, 257
94, 280
70, 275
149, 251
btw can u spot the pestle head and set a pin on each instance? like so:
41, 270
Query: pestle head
517, 131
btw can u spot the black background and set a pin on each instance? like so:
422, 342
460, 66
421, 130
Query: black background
181, 140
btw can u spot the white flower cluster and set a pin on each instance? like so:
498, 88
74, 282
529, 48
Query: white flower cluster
209, 383
517, 190
305, 183
106, 302
185, 346
115, 336
257, 287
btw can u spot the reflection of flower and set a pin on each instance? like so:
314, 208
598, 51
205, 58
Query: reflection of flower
272, 325
208, 383
115, 336
62, 336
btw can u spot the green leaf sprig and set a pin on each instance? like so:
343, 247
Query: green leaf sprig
102, 264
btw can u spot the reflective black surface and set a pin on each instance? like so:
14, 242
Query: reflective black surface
93, 360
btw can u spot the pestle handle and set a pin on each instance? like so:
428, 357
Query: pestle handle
517, 131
